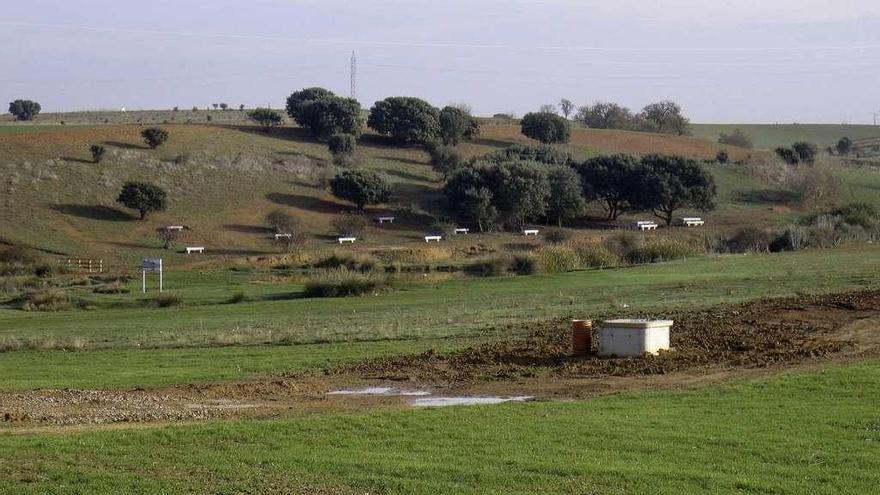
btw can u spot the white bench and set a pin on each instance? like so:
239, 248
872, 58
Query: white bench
429, 238
691, 221
645, 225
346, 239
385, 219
176, 228
462, 231
195, 249
280, 236
529, 232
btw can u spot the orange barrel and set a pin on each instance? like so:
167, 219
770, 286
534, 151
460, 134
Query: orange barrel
581, 337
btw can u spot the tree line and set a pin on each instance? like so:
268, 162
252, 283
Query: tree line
517, 185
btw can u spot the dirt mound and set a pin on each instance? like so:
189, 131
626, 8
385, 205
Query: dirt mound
755, 334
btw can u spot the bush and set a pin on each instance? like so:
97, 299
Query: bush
445, 159
342, 144
524, 264
547, 128
266, 117
623, 242
862, 214
495, 266
342, 282
749, 240
349, 261
51, 299
442, 228
237, 298
97, 152
557, 258
361, 187
736, 138
556, 235
660, 250
407, 120
350, 225
722, 157
115, 287
167, 300
17, 254
154, 136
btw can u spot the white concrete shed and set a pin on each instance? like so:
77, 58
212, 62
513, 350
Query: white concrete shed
633, 337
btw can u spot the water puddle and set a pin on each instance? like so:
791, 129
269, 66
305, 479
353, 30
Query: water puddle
466, 401
381, 391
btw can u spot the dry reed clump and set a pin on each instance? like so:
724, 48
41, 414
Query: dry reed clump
349, 261
428, 254
343, 282
557, 258
49, 299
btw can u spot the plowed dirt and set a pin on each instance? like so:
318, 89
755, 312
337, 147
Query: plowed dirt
710, 345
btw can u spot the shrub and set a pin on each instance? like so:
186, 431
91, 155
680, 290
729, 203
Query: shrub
659, 250
342, 144
236, 298
342, 282
349, 225
445, 159
441, 228
863, 214
623, 242
97, 152
51, 299
749, 240
167, 300
556, 235
361, 187
736, 138
266, 117
17, 254
557, 258
349, 261
541, 153
154, 136
722, 157
524, 264
547, 128
114, 287
488, 267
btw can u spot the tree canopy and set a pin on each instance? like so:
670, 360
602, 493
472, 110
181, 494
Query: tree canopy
24, 109
324, 114
546, 127
665, 117
566, 200
456, 125
143, 197
361, 187
541, 153
614, 180
408, 120
673, 182
266, 117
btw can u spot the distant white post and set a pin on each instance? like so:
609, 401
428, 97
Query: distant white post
151, 265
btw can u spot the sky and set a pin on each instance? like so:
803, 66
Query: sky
724, 61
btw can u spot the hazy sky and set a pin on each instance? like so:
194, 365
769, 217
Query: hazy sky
723, 60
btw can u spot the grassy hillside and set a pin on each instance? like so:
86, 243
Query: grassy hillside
223, 179
769, 136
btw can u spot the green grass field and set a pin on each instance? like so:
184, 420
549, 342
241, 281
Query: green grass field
770, 136
418, 317
815, 432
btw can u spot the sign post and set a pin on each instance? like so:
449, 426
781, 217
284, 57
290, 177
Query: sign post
150, 265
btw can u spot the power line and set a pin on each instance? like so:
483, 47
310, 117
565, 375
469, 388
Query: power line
415, 44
